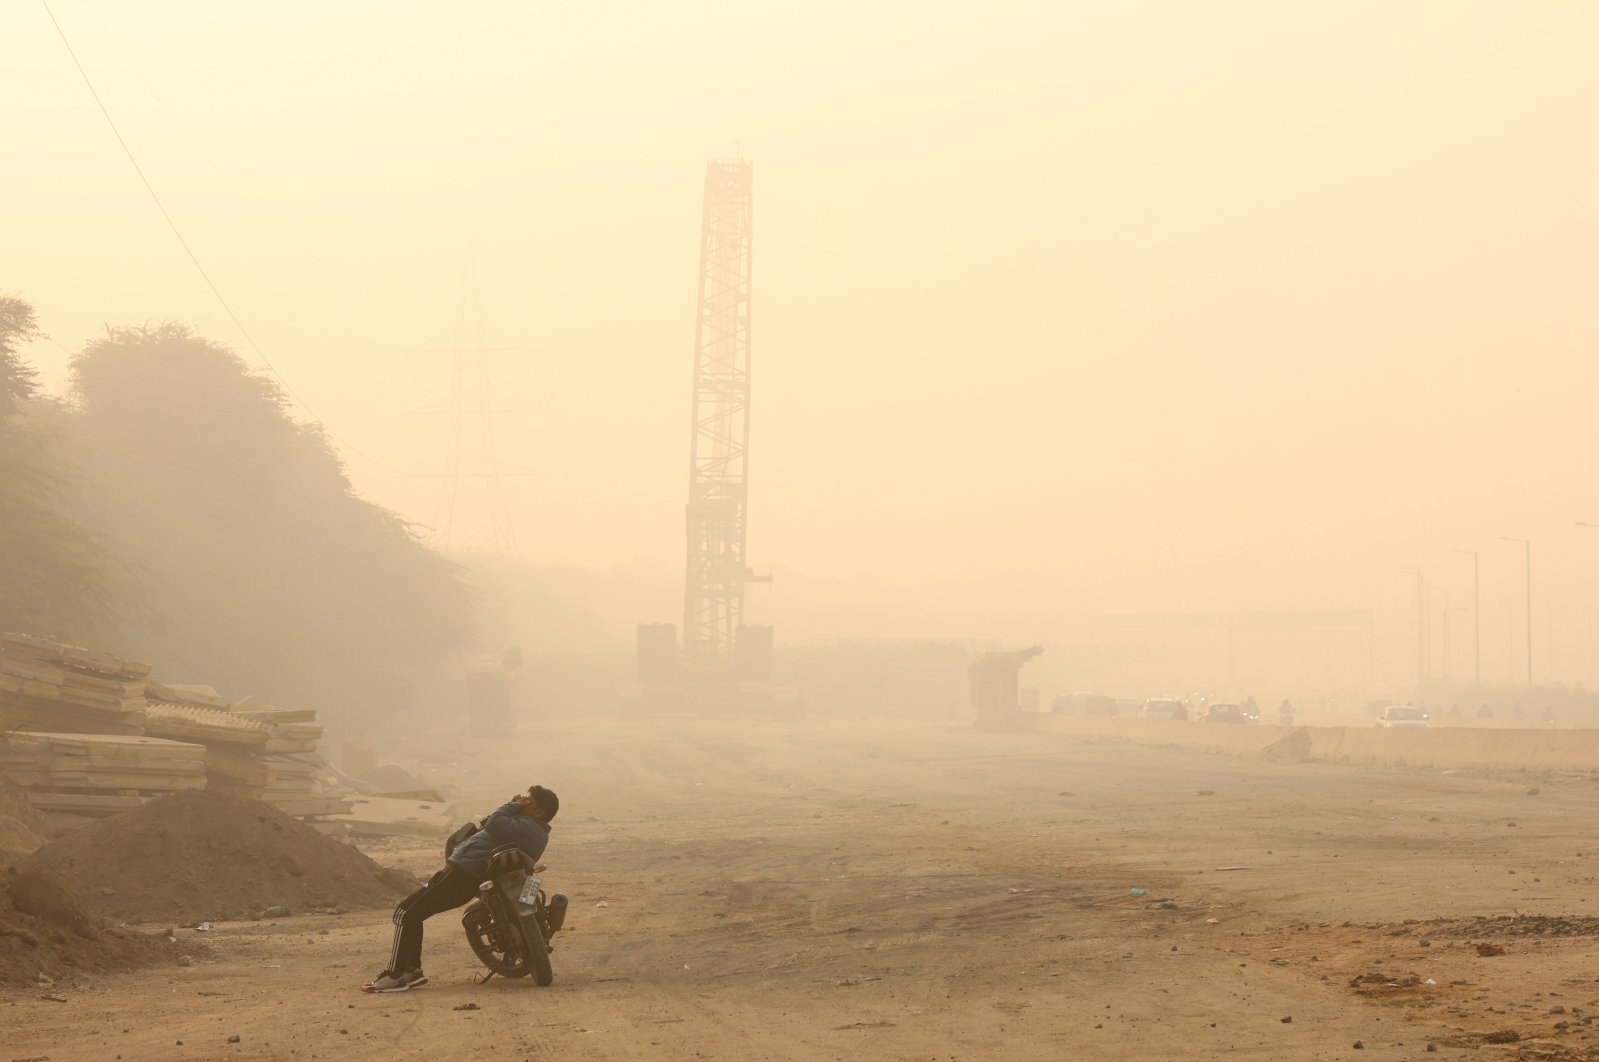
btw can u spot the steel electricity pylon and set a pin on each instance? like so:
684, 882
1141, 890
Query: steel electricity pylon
471, 515
718, 489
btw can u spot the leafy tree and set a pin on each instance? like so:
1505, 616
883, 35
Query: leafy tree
17, 324
56, 579
269, 575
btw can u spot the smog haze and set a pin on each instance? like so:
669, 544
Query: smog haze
1062, 312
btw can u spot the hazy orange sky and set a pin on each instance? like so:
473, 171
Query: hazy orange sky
1060, 308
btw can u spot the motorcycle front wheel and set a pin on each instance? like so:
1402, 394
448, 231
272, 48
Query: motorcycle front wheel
538, 950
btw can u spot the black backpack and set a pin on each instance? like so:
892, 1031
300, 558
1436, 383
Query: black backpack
457, 837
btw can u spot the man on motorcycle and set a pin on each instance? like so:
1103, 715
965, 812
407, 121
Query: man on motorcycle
523, 821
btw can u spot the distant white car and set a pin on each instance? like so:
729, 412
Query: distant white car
1403, 717
1163, 708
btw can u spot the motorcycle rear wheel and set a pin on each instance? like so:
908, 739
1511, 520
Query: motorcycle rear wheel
506, 958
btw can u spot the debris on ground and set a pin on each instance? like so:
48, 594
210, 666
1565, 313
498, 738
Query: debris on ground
47, 936
1524, 925
1379, 983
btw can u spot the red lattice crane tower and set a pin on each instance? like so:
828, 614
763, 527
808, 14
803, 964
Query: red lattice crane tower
718, 489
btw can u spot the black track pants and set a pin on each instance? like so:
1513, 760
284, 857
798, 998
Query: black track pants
450, 888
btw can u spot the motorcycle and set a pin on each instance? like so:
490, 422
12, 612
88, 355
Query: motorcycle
510, 924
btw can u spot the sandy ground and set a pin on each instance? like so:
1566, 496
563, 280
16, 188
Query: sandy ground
776, 890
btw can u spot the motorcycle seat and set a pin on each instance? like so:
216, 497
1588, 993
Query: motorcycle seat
508, 857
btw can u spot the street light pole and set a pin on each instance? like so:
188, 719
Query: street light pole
1476, 615
1588, 524
1421, 642
1527, 548
1447, 611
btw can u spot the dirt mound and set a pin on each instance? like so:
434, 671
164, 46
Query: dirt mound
45, 929
200, 856
1293, 748
22, 829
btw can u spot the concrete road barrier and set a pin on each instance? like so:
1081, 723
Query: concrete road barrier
1432, 747
1455, 747
1221, 736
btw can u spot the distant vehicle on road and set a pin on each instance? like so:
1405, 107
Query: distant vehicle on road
1083, 704
1250, 711
1163, 708
1224, 713
1403, 717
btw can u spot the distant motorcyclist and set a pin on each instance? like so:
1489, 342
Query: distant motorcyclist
524, 821
1285, 713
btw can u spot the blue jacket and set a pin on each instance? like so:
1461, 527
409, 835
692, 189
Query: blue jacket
506, 826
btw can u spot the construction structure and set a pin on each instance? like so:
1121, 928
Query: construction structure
723, 661
718, 484
996, 693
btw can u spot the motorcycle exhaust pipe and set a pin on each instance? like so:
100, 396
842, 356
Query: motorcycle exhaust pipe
555, 913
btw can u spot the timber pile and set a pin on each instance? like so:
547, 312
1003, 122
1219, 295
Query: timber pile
255, 752
234, 746
49, 686
292, 753
201, 696
99, 774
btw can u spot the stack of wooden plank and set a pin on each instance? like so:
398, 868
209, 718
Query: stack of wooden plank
296, 791
294, 730
235, 746
49, 686
98, 774
296, 779
204, 696
258, 752
292, 753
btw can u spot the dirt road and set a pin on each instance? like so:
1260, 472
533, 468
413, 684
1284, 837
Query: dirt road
775, 890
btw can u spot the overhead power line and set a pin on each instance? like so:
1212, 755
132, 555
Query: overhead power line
199, 267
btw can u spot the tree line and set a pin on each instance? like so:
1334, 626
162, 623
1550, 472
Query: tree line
171, 508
